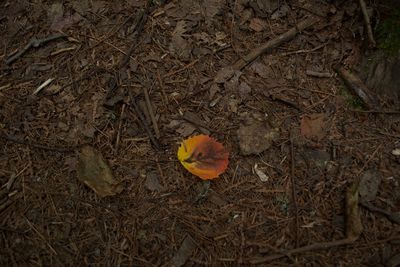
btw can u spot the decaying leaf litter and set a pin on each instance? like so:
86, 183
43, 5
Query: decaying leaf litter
130, 81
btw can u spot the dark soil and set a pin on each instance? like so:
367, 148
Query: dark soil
164, 215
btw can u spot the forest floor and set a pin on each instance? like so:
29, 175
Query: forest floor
83, 80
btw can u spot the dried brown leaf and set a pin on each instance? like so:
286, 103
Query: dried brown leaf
369, 185
184, 252
257, 24
260, 69
152, 182
244, 90
224, 74
256, 137
212, 8
95, 173
314, 125
180, 46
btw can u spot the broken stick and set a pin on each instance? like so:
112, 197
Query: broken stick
316, 246
294, 193
151, 112
16, 140
367, 24
142, 121
241, 63
34, 43
394, 217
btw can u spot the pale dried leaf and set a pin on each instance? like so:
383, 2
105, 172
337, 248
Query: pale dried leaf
310, 225
95, 173
281, 12
55, 12
224, 74
353, 220
260, 69
196, 121
212, 8
184, 252
244, 90
214, 88
233, 83
186, 129
233, 104
396, 152
152, 182
180, 28
179, 46
256, 137
219, 38
81, 6
263, 177
369, 185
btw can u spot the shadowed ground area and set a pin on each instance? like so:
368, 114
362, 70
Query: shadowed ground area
108, 90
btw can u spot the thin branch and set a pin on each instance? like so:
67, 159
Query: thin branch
316, 246
121, 118
394, 217
355, 84
318, 74
376, 111
34, 43
241, 63
151, 112
367, 24
38, 146
143, 123
294, 193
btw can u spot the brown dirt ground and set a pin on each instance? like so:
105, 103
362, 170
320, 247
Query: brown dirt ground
48, 217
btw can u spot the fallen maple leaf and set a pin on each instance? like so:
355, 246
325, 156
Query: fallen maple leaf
203, 156
314, 125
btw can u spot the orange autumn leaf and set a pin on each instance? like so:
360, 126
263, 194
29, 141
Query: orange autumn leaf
203, 156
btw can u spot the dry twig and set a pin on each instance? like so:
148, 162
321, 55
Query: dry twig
34, 43
143, 123
38, 146
294, 193
151, 112
241, 63
394, 217
316, 246
318, 74
121, 118
367, 24
357, 86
